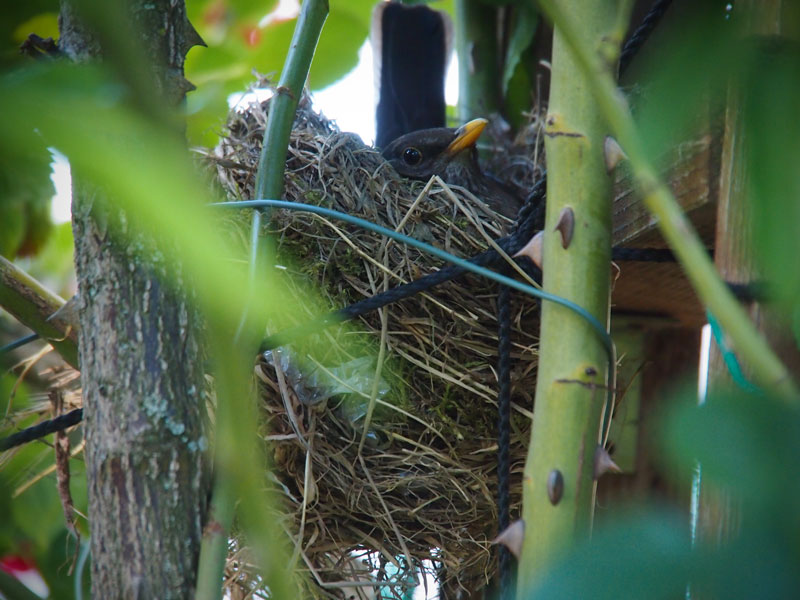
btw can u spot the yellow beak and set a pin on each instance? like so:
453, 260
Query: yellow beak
467, 135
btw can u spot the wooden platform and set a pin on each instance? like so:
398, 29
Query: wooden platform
661, 289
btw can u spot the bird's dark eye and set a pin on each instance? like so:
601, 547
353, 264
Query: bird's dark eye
412, 156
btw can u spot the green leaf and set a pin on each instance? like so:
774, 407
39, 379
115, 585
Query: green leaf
518, 96
526, 19
649, 555
360, 10
772, 90
746, 443
25, 192
637, 556
12, 227
215, 19
54, 264
337, 51
44, 25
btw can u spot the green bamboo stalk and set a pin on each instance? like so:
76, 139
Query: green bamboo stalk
478, 59
558, 487
32, 304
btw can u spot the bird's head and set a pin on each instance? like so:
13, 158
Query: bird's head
426, 152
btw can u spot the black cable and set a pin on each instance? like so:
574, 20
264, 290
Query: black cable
658, 255
42, 429
642, 33
504, 434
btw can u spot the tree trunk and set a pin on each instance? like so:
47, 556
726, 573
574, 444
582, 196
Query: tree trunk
141, 358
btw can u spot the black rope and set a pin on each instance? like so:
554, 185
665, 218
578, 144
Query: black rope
658, 255
42, 429
504, 434
642, 33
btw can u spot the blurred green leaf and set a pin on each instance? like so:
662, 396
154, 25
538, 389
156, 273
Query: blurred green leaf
748, 445
745, 442
25, 194
649, 555
54, 265
681, 70
145, 169
226, 67
360, 10
526, 18
518, 96
337, 51
772, 96
37, 512
638, 556
44, 25
13, 222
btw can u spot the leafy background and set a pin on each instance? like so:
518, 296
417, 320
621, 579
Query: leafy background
747, 443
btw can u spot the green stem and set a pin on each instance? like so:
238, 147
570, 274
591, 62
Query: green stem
767, 369
214, 547
572, 377
32, 304
269, 178
479, 65
283, 106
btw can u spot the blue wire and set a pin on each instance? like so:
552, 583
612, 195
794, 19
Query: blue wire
460, 262
19, 342
734, 368
600, 330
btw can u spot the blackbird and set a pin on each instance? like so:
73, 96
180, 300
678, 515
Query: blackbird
450, 153
411, 47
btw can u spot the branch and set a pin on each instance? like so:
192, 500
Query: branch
676, 228
283, 106
33, 305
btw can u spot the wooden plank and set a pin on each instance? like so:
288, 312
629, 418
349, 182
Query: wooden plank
661, 289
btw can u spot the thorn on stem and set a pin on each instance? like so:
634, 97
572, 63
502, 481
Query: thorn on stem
511, 537
533, 249
613, 154
555, 486
603, 463
566, 226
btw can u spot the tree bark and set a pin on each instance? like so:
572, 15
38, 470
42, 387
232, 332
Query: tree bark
142, 362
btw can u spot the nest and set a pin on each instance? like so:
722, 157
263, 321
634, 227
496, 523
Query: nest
415, 489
